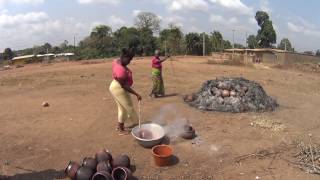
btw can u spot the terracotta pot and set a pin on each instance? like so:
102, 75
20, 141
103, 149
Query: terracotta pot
121, 161
84, 173
71, 169
189, 132
189, 97
121, 173
162, 155
102, 175
103, 155
233, 93
225, 93
104, 166
90, 162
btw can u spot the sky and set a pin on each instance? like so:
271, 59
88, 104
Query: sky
25, 23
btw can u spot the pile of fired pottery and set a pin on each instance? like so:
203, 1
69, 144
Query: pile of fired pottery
102, 167
231, 95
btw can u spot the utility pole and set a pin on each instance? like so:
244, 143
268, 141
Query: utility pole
233, 39
285, 46
204, 44
246, 39
165, 47
74, 44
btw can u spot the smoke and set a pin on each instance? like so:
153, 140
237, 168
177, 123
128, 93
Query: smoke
172, 120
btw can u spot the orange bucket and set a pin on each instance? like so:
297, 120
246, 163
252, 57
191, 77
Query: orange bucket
162, 155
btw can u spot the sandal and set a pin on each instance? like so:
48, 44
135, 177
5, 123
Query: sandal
122, 130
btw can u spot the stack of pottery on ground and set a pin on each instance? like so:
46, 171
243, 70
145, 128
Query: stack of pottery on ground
234, 95
102, 167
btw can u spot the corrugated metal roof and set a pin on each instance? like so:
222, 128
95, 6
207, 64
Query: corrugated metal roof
24, 57
257, 50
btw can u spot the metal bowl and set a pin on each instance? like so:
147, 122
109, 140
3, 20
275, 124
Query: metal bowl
157, 134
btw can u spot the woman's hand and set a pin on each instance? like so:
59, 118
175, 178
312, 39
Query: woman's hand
139, 97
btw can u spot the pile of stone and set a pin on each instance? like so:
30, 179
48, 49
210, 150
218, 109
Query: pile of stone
232, 95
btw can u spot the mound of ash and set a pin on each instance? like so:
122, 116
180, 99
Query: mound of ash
231, 95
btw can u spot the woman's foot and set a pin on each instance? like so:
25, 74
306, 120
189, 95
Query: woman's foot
122, 130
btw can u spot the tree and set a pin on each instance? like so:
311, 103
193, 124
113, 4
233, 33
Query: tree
172, 39
127, 38
56, 50
101, 31
226, 44
285, 45
148, 42
64, 45
8, 54
239, 46
193, 44
102, 40
216, 41
47, 47
266, 34
99, 44
148, 20
252, 42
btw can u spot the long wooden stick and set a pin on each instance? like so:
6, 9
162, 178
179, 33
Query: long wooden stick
139, 106
171, 63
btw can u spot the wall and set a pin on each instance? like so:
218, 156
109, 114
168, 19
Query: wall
291, 58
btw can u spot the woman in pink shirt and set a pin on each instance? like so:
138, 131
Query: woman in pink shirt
158, 85
121, 88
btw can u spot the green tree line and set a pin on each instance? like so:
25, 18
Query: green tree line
145, 36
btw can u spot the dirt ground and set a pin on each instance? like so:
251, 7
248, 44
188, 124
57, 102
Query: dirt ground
37, 142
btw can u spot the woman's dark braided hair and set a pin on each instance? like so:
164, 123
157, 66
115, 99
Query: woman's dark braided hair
127, 53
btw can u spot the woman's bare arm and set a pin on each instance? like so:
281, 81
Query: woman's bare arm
129, 89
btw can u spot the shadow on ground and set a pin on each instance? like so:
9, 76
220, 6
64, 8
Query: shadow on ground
41, 175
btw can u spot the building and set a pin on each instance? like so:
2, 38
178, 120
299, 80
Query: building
42, 58
271, 56
25, 59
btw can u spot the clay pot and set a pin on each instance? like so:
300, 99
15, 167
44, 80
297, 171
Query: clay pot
162, 155
121, 161
225, 93
102, 175
189, 132
121, 173
104, 166
103, 155
189, 97
90, 162
84, 173
233, 93
71, 169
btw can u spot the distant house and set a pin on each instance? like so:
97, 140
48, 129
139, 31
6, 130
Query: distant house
65, 56
41, 58
272, 56
25, 59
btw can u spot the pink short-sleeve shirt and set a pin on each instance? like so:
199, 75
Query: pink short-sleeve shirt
156, 63
120, 72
